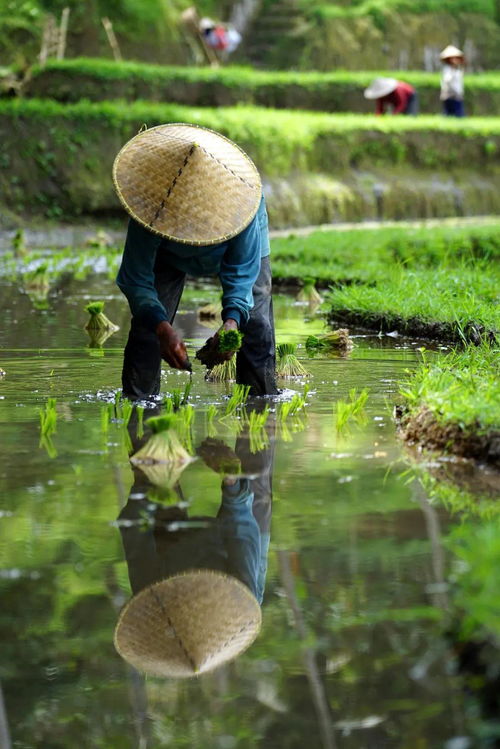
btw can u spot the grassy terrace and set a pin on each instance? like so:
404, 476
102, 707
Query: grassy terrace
99, 80
453, 404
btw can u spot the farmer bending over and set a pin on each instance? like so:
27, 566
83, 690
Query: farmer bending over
196, 206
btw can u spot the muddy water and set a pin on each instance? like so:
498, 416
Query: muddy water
351, 562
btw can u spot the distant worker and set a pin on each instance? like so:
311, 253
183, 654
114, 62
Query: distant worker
223, 38
392, 95
452, 81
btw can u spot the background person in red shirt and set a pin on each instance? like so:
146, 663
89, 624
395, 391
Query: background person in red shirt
395, 96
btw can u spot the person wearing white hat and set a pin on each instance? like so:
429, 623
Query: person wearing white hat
392, 95
452, 81
196, 207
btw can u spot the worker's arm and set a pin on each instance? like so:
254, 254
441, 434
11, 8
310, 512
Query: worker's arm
136, 279
239, 270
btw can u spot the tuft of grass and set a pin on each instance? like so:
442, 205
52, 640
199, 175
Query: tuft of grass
287, 364
351, 409
461, 387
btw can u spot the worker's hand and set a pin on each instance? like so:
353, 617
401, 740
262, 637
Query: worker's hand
213, 342
173, 348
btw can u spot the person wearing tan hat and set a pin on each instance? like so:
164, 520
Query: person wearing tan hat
452, 81
197, 582
196, 207
392, 95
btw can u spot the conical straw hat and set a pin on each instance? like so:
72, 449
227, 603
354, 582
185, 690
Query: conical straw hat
450, 51
380, 87
187, 624
187, 183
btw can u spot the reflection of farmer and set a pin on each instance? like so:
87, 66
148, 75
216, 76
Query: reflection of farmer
452, 81
392, 95
197, 208
212, 570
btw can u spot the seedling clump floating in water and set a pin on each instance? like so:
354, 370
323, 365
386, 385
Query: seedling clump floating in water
336, 341
164, 445
309, 293
98, 321
288, 365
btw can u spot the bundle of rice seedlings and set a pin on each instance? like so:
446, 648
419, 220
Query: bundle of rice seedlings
225, 372
164, 445
309, 293
335, 341
98, 321
228, 342
287, 364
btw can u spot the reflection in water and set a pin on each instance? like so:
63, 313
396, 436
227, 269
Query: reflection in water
198, 582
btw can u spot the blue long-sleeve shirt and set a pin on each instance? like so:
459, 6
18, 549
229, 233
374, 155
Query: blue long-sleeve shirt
236, 262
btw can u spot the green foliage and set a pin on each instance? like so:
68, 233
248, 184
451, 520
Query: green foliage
461, 306
99, 80
462, 387
475, 593
377, 9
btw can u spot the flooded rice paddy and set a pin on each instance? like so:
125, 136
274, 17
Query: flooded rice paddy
352, 562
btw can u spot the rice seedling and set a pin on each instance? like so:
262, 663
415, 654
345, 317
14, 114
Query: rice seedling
178, 397
210, 418
48, 422
37, 286
238, 397
257, 434
291, 407
227, 342
336, 341
308, 293
48, 418
351, 409
98, 321
225, 372
139, 432
185, 419
288, 364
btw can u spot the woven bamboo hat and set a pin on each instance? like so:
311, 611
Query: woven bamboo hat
187, 183
380, 87
187, 624
450, 51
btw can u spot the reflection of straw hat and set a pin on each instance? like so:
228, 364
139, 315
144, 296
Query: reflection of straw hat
450, 51
187, 183
380, 87
187, 624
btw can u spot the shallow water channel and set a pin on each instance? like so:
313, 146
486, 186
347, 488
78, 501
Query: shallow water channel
352, 651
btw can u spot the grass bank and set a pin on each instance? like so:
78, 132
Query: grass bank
452, 404
340, 91
57, 158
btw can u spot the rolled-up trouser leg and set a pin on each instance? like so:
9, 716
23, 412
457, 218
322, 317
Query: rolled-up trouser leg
256, 360
142, 358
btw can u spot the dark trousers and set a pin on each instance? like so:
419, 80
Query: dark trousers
412, 106
255, 362
453, 108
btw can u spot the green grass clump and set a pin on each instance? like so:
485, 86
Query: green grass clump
449, 303
364, 255
98, 321
287, 364
462, 388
